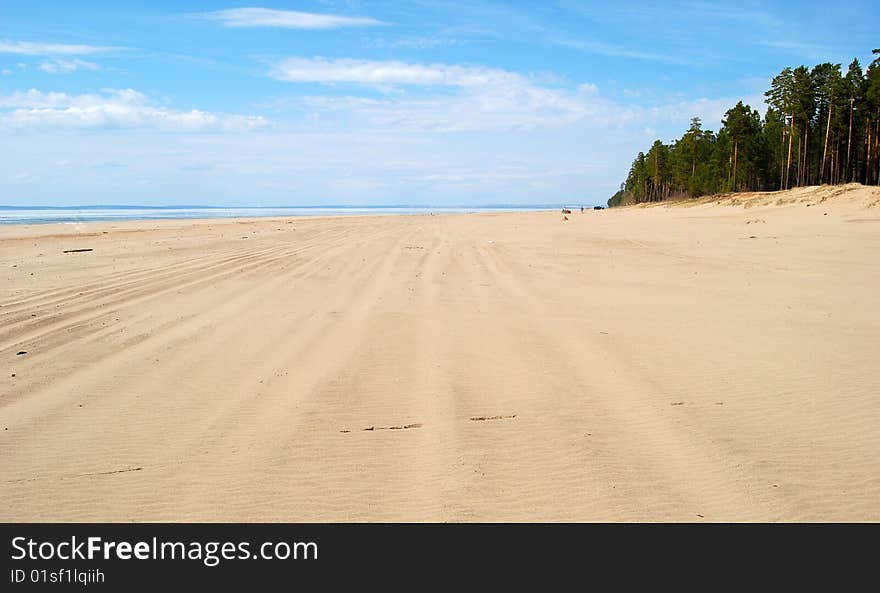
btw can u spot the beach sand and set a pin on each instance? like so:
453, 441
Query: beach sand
708, 361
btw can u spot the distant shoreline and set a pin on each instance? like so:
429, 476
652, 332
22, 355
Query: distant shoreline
17, 215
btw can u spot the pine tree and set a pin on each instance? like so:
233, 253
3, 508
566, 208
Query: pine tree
826, 124
781, 97
854, 83
826, 86
872, 115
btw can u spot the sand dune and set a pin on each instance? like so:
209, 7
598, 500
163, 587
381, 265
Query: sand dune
706, 361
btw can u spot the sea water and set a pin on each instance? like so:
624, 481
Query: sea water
72, 214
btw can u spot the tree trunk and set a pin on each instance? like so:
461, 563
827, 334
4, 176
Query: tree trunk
825, 149
788, 166
656, 175
806, 163
837, 176
875, 172
831, 176
782, 156
735, 146
847, 173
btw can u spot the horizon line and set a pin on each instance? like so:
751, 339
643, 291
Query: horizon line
328, 206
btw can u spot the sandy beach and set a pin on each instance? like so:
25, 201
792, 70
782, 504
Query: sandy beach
694, 362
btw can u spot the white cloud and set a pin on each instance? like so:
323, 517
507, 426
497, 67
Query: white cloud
588, 88
607, 49
416, 42
456, 98
389, 72
288, 19
29, 48
114, 108
514, 107
462, 98
65, 66
710, 111
482, 98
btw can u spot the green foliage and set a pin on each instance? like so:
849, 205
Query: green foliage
821, 127
620, 198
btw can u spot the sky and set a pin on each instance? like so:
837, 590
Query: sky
428, 102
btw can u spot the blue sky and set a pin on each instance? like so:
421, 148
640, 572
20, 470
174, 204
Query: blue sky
427, 102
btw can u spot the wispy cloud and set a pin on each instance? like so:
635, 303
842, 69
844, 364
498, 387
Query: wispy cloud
113, 108
451, 97
690, 32
465, 98
607, 49
710, 110
288, 19
754, 16
65, 66
31, 48
762, 28
810, 51
420, 43
388, 72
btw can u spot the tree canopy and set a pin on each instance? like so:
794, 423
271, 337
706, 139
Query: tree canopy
821, 126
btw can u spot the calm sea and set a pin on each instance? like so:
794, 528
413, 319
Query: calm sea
25, 215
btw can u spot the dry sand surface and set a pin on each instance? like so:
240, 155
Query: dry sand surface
697, 362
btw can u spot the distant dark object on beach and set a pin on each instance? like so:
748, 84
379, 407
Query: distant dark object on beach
77, 250
566, 211
598, 207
